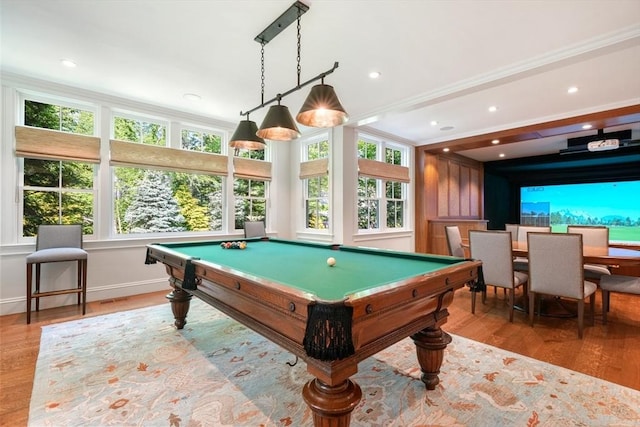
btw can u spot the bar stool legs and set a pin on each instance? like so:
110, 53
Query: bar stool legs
80, 289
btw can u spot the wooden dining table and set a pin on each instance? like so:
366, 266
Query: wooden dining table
611, 256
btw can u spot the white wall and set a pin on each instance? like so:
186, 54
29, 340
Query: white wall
116, 266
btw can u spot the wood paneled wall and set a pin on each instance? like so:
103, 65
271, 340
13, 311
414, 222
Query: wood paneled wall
459, 189
448, 187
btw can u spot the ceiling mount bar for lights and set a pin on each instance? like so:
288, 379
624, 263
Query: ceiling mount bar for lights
287, 18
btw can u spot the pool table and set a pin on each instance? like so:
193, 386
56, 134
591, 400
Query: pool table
332, 317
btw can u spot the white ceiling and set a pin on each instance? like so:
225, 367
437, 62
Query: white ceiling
440, 60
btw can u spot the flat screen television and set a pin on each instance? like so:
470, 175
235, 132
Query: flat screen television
612, 204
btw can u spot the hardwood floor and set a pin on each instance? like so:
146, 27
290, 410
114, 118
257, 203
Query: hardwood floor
608, 352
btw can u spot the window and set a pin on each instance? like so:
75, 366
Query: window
368, 203
197, 140
250, 201
368, 189
162, 180
394, 191
395, 204
158, 195
58, 187
382, 166
136, 130
249, 154
314, 173
200, 196
250, 186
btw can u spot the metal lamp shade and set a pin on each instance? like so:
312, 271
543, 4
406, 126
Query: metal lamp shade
245, 136
322, 108
278, 125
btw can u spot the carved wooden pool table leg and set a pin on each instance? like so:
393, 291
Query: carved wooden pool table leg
331, 405
430, 344
180, 301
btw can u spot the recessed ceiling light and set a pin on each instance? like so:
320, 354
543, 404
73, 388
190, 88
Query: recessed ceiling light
192, 97
572, 89
434, 123
446, 128
587, 126
446, 150
493, 109
68, 63
495, 141
374, 74
501, 155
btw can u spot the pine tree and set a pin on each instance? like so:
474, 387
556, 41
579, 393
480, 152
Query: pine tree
153, 208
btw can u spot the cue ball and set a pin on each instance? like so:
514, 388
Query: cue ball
331, 261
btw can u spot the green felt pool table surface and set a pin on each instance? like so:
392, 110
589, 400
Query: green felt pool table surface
303, 265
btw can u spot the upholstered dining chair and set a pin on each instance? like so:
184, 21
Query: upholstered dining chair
593, 236
57, 243
454, 240
522, 263
254, 229
556, 268
513, 229
493, 248
629, 285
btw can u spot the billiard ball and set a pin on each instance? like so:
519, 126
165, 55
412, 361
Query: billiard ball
331, 261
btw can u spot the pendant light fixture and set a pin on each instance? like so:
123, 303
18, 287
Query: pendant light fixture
278, 125
322, 107
245, 136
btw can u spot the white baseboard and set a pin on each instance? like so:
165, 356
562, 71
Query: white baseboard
19, 305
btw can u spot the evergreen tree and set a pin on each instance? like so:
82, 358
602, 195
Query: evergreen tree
195, 215
153, 208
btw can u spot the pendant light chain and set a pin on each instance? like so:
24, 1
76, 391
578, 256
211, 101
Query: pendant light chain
299, 38
262, 73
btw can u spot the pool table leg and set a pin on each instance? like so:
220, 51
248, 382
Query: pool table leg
331, 405
430, 344
180, 301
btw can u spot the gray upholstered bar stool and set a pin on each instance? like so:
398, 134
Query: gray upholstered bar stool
57, 243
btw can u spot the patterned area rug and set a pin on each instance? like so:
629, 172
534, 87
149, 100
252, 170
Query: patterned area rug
135, 369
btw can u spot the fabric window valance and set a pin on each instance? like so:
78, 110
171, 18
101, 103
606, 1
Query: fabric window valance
382, 170
314, 168
55, 145
251, 169
134, 154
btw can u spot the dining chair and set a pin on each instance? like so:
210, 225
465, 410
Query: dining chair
556, 268
57, 243
254, 229
617, 283
454, 240
593, 236
493, 248
522, 263
513, 229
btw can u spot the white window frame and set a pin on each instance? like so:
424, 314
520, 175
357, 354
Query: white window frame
381, 145
194, 128
22, 98
304, 156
